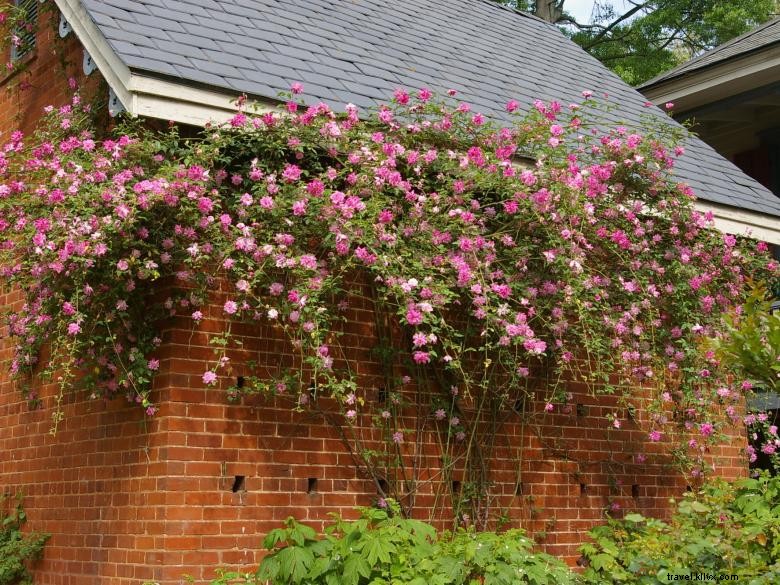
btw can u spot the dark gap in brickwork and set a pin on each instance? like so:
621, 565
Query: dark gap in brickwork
688, 488
519, 405
382, 486
311, 485
239, 484
382, 395
581, 410
519, 488
240, 382
456, 487
635, 490
313, 390
583, 488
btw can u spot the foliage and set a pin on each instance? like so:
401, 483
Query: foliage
381, 548
726, 528
639, 40
750, 345
590, 264
17, 548
751, 341
17, 31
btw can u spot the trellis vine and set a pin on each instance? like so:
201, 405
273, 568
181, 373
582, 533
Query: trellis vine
590, 263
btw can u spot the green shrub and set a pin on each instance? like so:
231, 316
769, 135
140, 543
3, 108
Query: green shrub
17, 548
381, 548
724, 529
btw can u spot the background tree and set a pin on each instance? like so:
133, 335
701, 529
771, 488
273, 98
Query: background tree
638, 39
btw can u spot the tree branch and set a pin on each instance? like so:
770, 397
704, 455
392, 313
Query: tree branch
617, 21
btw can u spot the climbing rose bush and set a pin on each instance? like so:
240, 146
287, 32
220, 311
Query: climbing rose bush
557, 241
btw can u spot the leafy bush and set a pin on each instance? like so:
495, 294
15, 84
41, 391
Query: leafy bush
384, 549
17, 548
725, 528
750, 342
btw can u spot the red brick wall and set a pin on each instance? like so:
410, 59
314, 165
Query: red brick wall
128, 499
42, 79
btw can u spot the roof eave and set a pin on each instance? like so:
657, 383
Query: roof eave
717, 81
731, 220
165, 99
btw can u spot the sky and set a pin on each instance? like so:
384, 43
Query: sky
581, 9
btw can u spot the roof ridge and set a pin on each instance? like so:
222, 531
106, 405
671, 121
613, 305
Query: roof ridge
515, 10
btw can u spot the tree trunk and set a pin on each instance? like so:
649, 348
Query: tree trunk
549, 10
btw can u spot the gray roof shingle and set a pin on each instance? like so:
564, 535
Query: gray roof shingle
359, 50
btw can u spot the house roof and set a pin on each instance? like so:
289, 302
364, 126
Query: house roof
761, 37
359, 51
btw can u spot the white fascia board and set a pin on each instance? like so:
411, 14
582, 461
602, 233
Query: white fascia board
116, 73
144, 95
717, 82
168, 100
740, 222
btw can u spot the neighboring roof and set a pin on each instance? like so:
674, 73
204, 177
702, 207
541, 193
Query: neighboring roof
359, 51
759, 38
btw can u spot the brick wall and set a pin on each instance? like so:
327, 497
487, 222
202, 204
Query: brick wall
200, 484
128, 499
43, 77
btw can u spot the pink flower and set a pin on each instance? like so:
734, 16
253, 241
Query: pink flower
401, 96
512, 106
205, 205
291, 173
299, 207
153, 364
414, 316
654, 436
74, 328
424, 94
398, 437
421, 357
549, 407
230, 307
209, 377
296, 88
706, 429
419, 339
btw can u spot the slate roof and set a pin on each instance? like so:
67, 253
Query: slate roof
359, 51
762, 37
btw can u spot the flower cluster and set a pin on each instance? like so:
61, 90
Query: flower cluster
589, 258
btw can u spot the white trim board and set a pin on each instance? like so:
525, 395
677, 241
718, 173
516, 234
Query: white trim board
739, 222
